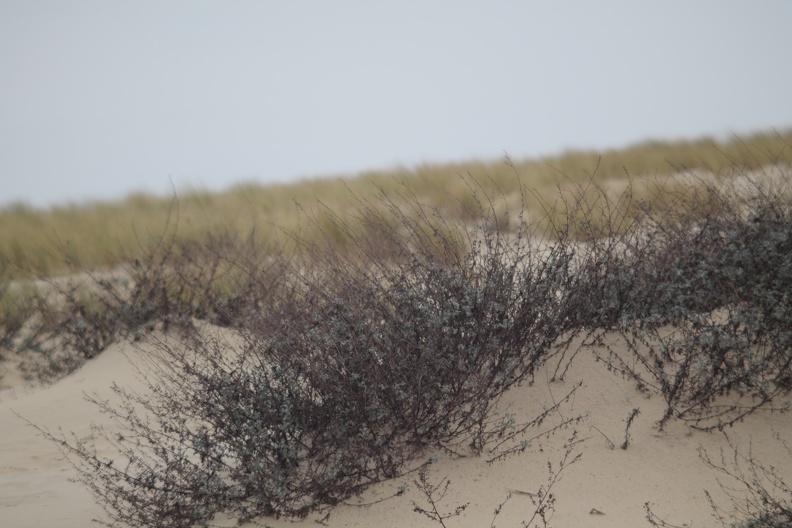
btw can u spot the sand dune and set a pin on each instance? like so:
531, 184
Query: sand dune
606, 488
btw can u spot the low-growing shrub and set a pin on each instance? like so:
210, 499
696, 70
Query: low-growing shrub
702, 302
63, 334
71, 320
16, 308
356, 366
392, 332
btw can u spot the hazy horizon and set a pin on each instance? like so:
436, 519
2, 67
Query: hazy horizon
99, 100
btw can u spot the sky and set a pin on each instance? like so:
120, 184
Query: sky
100, 99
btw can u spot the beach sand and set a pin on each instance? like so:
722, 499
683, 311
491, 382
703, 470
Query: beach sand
606, 488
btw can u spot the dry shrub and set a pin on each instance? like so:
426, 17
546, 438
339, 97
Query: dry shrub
358, 364
392, 331
699, 294
66, 322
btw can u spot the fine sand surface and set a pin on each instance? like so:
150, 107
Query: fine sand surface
607, 488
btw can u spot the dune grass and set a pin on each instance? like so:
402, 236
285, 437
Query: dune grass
65, 238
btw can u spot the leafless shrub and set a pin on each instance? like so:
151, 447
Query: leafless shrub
434, 494
543, 500
759, 495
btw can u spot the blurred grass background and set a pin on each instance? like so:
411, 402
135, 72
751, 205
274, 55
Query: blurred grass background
63, 239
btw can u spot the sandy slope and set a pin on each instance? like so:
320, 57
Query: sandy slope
665, 469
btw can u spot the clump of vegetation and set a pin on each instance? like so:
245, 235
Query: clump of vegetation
106, 234
62, 322
358, 364
700, 296
15, 309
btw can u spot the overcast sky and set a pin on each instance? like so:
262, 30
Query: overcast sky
99, 99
